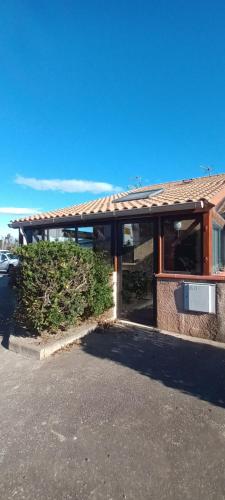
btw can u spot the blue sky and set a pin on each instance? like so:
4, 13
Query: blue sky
103, 91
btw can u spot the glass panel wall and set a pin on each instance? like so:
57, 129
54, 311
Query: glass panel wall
97, 237
182, 248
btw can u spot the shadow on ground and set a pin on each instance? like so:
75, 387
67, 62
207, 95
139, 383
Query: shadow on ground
8, 325
192, 368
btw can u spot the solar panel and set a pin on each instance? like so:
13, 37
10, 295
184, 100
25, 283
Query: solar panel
139, 195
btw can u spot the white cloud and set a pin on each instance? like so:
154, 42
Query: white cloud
18, 210
67, 186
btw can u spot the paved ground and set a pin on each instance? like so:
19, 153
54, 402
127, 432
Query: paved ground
126, 415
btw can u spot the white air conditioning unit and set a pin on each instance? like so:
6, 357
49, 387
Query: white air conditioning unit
200, 297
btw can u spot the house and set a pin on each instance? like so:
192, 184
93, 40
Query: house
167, 247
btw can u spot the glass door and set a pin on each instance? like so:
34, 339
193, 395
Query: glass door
136, 279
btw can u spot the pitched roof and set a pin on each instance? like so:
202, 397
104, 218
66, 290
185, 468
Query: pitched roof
210, 189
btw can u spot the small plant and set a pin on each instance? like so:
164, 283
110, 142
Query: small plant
59, 284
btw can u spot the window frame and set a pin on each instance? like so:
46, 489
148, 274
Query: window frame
199, 220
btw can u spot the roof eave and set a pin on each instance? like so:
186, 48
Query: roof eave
197, 205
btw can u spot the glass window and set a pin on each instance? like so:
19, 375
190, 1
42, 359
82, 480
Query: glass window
98, 238
52, 234
218, 248
60, 234
103, 239
38, 235
85, 237
182, 245
11, 256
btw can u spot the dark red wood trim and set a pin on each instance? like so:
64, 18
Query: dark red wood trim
115, 236
116, 263
207, 243
160, 246
191, 277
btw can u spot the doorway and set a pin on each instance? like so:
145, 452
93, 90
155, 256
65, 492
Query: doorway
136, 297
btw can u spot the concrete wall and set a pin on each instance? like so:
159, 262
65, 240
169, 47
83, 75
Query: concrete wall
172, 317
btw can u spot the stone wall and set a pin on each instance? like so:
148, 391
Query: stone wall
172, 317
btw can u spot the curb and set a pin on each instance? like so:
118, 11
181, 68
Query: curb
25, 347
189, 338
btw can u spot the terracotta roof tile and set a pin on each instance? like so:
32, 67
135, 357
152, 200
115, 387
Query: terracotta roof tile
210, 188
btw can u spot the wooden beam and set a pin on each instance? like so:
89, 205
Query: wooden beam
191, 277
115, 236
207, 243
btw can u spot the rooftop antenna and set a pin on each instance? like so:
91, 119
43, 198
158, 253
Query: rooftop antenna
138, 182
207, 169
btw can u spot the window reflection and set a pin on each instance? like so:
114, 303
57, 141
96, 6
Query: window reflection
182, 245
60, 234
98, 238
136, 279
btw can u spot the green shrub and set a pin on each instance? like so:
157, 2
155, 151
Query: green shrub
100, 293
60, 283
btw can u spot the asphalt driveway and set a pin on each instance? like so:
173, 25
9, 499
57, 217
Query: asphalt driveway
7, 304
126, 415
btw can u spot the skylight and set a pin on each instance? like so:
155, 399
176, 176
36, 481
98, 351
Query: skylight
139, 195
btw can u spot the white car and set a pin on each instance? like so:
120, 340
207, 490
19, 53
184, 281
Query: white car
7, 261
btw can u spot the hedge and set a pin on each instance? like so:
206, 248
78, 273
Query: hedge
59, 284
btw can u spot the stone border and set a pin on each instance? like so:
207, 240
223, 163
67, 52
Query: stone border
32, 348
27, 347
